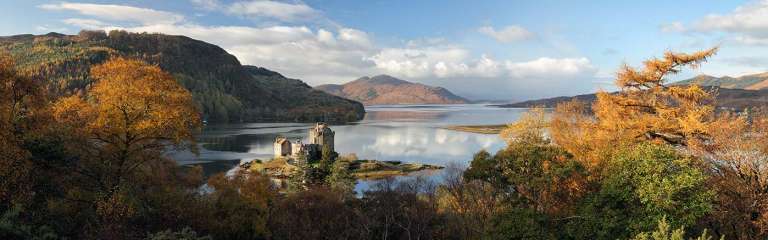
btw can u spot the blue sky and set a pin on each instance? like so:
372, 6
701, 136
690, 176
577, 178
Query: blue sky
480, 49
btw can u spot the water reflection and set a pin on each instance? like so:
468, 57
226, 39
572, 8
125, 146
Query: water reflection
404, 133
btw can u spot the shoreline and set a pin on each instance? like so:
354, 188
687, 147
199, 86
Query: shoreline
361, 169
481, 129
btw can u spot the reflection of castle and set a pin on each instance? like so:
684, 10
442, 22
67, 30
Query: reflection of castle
319, 136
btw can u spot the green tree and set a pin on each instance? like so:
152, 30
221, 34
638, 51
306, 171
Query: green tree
341, 179
542, 177
485, 168
642, 184
665, 232
298, 180
663, 181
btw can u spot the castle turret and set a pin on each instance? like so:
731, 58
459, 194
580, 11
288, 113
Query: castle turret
322, 135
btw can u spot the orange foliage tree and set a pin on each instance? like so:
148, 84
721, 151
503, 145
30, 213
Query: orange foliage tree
131, 115
736, 152
22, 114
645, 108
648, 108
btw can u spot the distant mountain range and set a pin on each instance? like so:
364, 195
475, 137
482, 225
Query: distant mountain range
385, 89
224, 90
749, 82
732, 92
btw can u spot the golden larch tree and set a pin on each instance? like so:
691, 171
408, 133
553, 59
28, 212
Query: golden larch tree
646, 107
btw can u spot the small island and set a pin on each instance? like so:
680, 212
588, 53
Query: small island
292, 157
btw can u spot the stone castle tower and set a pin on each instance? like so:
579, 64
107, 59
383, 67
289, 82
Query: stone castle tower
319, 136
322, 135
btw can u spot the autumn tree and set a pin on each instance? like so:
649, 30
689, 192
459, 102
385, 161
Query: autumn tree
529, 128
646, 107
542, 174
240, 205
469, 204
22, 116
132, 114
737, 154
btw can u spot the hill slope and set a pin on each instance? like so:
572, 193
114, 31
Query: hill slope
752, 82
384, 89
736, 99
225, 90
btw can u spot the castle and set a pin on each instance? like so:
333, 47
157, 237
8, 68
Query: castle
319, 136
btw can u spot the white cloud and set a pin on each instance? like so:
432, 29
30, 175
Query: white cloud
338, 54
749, 40
320, 56
86, 23
272, 9
207, 4
550, 67
452, 61
751, 18
745, 25
118, 12
674, 27
508, 34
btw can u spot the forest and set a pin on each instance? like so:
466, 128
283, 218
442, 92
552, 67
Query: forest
651, 161
223, 90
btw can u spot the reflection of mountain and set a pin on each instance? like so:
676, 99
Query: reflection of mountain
403, 115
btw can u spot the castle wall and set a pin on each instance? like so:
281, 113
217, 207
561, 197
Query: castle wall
282, 148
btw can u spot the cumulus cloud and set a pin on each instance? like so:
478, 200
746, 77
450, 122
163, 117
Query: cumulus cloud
338, 54
273, 9
321, 56
747, 24
507, 34
751, 18
452, 61
118, 12
550, 67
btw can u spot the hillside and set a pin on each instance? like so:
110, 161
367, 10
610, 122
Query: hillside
225, 90
736, 99
752, 82
384, 89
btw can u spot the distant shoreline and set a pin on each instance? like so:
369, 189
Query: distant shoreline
481, 129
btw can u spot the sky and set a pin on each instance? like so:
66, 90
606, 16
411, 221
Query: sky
485, 49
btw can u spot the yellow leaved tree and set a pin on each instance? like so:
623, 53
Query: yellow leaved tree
646, 108
529, 128
131, 115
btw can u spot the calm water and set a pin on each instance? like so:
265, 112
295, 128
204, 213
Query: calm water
408, 133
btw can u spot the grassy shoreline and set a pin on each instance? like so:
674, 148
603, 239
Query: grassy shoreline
361, 169
482, 129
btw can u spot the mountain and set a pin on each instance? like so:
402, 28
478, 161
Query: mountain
727, 98
385, 89
752, 82
225, 90
732, 92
